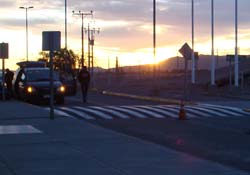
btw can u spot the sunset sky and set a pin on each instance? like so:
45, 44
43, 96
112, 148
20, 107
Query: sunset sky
126, 27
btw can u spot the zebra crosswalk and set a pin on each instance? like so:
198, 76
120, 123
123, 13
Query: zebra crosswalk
148, 111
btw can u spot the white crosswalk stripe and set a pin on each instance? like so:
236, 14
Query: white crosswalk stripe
132, 113
116, 113
209, 111
226, 109
96, 112
176, 110
165, 112
60, 113
79, 113
148, 111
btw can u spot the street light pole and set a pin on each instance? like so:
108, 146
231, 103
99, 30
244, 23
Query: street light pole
193, 59
212, 50
82, 14
27, 32
154, 36
66, 27
236, 61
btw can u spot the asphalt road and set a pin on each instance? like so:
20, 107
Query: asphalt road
220, 139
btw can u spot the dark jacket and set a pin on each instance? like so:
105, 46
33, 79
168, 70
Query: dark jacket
84, 77
8, 78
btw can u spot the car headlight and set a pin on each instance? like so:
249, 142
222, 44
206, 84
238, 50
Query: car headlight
30, 89
61, 89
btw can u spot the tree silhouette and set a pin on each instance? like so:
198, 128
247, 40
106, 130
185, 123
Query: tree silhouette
64, 60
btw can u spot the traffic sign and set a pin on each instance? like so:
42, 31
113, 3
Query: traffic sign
51, 41
4, 50
186, 51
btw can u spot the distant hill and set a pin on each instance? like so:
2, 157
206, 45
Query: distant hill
99, 69
177, 63
204, 63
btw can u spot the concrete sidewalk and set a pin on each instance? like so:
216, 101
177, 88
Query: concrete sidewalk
31, 144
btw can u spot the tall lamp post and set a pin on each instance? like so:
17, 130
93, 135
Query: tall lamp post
66, 26
193, 58
212, 50
82, 15
27, 33
236, 57
154, 37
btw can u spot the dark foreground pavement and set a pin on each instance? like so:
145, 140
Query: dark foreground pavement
31, 144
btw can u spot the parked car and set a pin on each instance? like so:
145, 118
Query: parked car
69, 81
67, 78
24, 64
7, 94
33, 84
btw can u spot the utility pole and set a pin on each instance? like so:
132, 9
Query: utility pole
91, 42
108, 64
82, 15
236, 58
117, 65
193, 57
212, 51
93, 32
66, 27
154, 37
88, 47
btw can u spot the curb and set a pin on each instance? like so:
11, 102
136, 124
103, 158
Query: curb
229, 96
155, 99
246, 110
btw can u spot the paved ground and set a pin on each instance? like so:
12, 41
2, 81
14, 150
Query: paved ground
31, 144
214, 132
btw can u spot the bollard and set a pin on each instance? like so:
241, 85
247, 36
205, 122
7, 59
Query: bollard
182, 112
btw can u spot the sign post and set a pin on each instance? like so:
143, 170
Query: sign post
51, 43
187, 53
4, 54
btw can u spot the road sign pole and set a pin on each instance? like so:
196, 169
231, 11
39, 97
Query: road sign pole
236, 61
193, 58
4, 54
3, 78
51, 43
52, 117
212, 51
230, 74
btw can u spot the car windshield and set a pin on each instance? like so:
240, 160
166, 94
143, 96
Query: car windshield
40, 75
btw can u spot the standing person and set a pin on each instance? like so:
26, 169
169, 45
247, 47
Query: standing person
8, 80
84, 79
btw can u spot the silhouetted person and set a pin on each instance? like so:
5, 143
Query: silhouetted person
84, 79
8, 80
